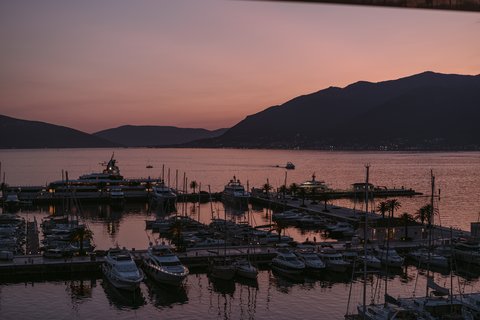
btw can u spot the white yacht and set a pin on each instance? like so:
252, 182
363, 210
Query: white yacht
311, 260
163, 266
163, 195
235, 192
333, 260
287, 262
121, 270
389, 257
318, 186
370, 260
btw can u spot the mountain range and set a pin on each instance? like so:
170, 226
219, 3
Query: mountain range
17, 133
427, 111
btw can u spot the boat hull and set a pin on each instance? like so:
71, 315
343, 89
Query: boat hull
164, 277
122, 284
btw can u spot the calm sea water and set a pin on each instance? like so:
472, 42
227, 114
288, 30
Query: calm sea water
273, 296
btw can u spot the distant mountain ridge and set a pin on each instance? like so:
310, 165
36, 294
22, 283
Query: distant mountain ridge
427, 111
18, 133
424, 111
155, 136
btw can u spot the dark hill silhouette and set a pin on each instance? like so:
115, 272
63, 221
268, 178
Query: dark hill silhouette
148, 136
424, 111
17, 133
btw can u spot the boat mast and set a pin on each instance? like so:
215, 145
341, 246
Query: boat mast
365, 235
430, 223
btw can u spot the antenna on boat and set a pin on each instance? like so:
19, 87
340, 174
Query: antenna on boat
365, 235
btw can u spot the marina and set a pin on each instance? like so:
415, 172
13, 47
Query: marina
328, 227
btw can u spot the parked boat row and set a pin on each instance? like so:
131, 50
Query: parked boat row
12, 235
64, 236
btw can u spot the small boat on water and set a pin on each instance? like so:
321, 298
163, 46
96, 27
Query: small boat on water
245, 269
120, 269
287, 262
163, 266
234, 192
290, 166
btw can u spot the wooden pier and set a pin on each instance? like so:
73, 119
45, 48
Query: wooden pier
37, 265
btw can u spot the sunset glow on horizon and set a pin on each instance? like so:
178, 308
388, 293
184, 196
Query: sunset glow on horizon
96, 65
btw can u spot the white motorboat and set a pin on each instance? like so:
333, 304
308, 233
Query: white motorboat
121, 270
318, 186
387, 311
245, 269
333, 260
163, 195
342, 229
163, 266
370, 260
287, 216
287, 262
389, 257
234, 192
311, 260
429, 258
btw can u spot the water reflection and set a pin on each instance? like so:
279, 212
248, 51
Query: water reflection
225, 287
165, 296
123, 299
81, 289
284, 282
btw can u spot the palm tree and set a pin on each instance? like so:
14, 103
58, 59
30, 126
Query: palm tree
293, 189
193, 185
393, 204
302, 194
406, 218
279, 226
383, 207
325, 197
79, 235
267, 187
283, 190
421, 214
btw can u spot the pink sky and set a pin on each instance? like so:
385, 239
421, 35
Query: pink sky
92, 65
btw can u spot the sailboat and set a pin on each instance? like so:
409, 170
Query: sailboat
388, 310
223, 267
439, 302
